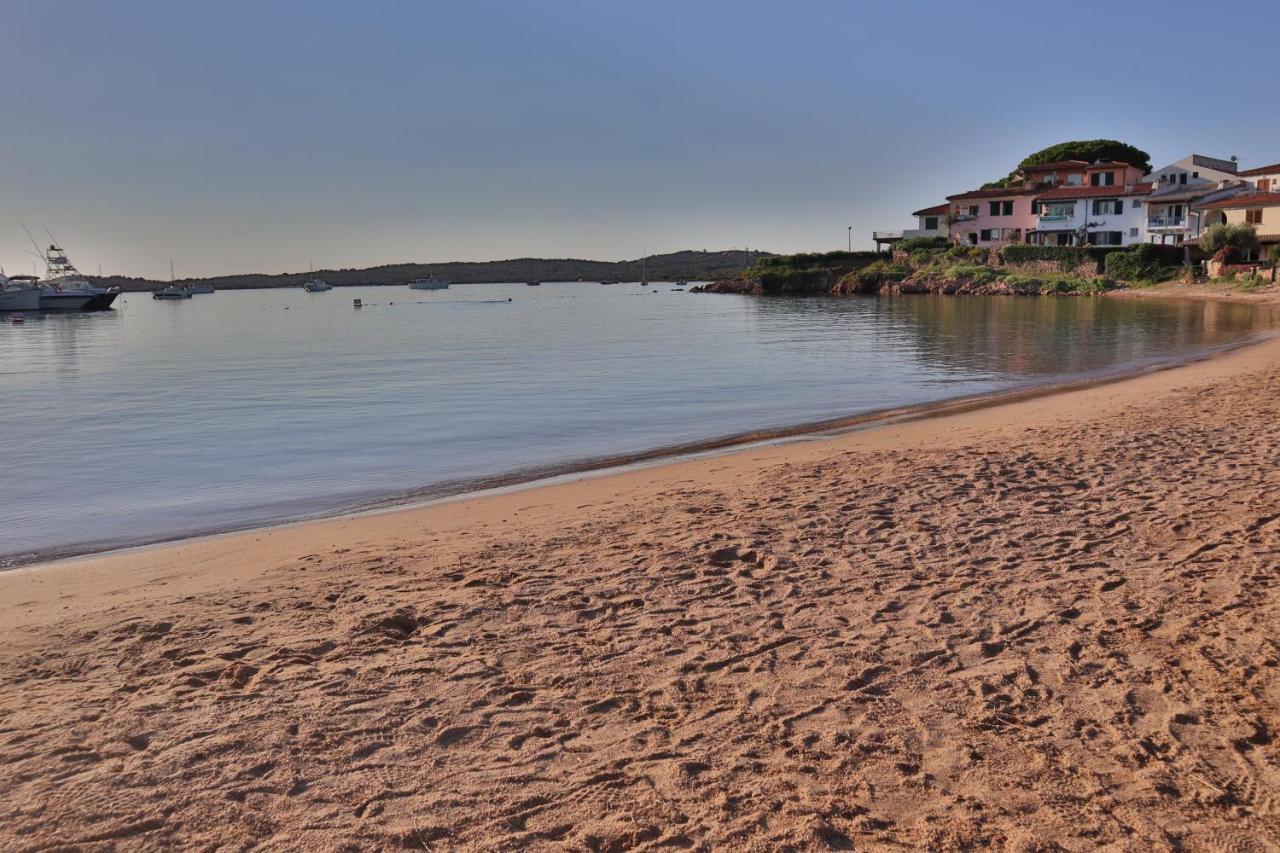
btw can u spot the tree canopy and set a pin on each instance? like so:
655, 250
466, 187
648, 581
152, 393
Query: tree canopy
1088, 150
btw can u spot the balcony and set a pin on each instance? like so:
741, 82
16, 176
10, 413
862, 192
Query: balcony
1054, 217
962, 217
1166, 222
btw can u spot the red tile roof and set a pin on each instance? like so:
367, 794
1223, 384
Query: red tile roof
1059, 164
1273, 169
1093, 192
1250, 200
998, 193
937, 209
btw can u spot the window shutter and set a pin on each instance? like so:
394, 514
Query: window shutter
1119, 205
1095, 208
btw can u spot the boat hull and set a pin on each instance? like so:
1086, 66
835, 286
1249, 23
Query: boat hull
64, 301
20, 300
429, 285
101, 301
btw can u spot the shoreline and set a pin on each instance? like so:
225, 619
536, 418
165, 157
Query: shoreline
532, 478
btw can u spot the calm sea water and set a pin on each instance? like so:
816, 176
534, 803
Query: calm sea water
165, 418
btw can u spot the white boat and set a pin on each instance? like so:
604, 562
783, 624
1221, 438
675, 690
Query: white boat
316, 285
62, 276
173, 291
20, 293
431, 283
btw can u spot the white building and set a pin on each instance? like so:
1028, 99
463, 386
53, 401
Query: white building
930, 222
1265, 178
1193, 170
1098, 216
1174, 215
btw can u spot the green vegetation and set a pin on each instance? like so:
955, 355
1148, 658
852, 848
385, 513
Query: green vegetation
1147, 263
1234, 240
1088, 150
918, 243
1056, 283
974, 273
871, 278
813, 272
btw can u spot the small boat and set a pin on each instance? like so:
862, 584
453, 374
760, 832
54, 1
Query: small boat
681, 283
201, 288
173, 291
533, 284
430, 283
19, 293
316, 285
606, 281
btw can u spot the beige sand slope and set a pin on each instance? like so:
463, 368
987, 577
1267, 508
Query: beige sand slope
1046, 625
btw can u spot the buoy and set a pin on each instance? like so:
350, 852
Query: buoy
357, 303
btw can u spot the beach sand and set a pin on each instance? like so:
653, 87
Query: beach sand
1048, 624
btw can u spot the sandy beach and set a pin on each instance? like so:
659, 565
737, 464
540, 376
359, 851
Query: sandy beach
1046, 624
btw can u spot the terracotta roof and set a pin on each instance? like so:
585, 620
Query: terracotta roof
1250, 200
999, 193
1057, 164
1094, 192
1273, 169
937, 209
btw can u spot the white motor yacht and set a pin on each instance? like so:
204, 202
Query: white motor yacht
19, 293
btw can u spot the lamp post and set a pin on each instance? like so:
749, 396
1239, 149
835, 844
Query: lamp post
850, 248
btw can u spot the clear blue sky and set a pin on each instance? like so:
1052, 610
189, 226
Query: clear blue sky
268, 136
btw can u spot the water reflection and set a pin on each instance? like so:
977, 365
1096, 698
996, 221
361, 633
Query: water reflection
164, 418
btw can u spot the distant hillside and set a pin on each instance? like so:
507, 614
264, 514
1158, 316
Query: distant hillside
689, 265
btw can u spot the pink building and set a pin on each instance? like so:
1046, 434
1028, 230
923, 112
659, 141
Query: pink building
1010, 215
993, 217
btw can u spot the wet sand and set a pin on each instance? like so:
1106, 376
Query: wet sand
1047, 622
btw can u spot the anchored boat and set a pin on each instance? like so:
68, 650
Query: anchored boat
19, 293
316, 285
431, 283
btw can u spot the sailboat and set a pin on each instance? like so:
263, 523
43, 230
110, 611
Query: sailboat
644, 271
173, 291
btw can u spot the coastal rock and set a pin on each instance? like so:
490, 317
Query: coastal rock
750, 286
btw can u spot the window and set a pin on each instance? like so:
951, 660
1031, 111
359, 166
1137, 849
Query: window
1102, 179
1001, 208
1136, 203
1074, 180
1253, 217
1195, 174
931, 223
1107, 238
1133, 232
1182, 178
1107, 207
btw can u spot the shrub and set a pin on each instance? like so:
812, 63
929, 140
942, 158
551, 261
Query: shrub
976, 273
915, 243
1240, 237
1146, 262
1057, 283
960, 252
